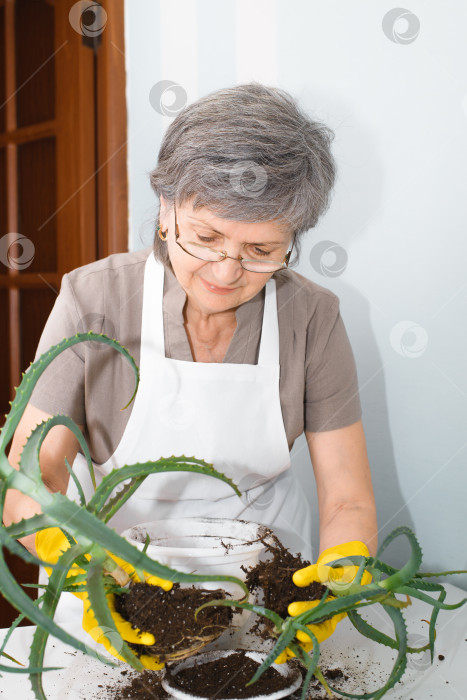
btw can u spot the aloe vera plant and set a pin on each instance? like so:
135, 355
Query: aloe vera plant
387, 583
91, 539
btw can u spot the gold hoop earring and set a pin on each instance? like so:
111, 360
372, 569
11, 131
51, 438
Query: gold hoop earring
162, 234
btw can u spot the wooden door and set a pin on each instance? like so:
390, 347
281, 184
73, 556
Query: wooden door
63, 200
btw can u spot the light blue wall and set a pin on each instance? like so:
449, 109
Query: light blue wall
398, 105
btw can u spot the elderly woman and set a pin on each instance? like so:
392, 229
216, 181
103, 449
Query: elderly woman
238, 354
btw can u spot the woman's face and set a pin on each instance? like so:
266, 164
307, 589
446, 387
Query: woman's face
216, 287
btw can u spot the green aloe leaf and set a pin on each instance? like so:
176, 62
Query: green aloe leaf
439, 574
14, 669
401, 659
428, 599
22, 602
29, 460
11, 658
141, 470
341, 604
310, 663
421, 585
51, 597
100, 608
121, 497
323, 681
79, 488
24, 391
27, 526
23, 668
16, 548
432, 627
287, 635
411, 567
371, 632
400, 663
12, 628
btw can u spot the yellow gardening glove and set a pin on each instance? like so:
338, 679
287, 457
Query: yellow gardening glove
322, 630
338, 579
50, 543
125, 630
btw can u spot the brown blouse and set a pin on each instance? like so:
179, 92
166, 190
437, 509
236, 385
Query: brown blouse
91, 382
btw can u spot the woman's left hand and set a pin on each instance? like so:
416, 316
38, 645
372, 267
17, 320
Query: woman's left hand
338, 579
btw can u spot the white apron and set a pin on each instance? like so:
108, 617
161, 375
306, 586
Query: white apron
226, 414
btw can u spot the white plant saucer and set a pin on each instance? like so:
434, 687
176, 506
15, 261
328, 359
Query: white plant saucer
292, 674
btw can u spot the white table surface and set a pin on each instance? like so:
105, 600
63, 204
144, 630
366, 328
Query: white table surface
364, 661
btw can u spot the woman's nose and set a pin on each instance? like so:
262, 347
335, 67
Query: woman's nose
227, 271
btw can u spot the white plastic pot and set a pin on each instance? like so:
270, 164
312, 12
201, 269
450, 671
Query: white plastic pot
211, 546
291, 673
219, 546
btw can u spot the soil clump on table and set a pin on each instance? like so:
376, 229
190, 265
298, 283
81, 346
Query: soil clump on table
170, 616
142, 686
273, 578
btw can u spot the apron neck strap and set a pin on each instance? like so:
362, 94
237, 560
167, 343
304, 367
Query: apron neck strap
152, 325
269, 347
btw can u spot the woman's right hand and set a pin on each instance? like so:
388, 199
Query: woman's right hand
50, 544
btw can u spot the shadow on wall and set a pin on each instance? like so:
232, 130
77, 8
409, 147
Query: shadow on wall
391, 507
391, 503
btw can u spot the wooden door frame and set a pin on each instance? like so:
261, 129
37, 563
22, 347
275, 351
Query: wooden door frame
92, 191
92, 199
112, 207
95, 194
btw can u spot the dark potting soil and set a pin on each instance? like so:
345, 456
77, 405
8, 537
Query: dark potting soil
143, 686
170, 616
227, 678
273, 577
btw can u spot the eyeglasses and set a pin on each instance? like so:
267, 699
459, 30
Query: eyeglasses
203, 252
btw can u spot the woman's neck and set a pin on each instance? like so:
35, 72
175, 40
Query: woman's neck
208, 324
209, 335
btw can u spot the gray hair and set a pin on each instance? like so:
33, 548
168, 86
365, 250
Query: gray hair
247, 153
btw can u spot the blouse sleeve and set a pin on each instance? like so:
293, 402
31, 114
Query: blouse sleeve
331, 384
60, 388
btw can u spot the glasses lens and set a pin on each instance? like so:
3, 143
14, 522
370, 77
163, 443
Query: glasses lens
262, 265
202, 252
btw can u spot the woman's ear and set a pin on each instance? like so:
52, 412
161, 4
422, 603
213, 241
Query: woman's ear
164, 214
